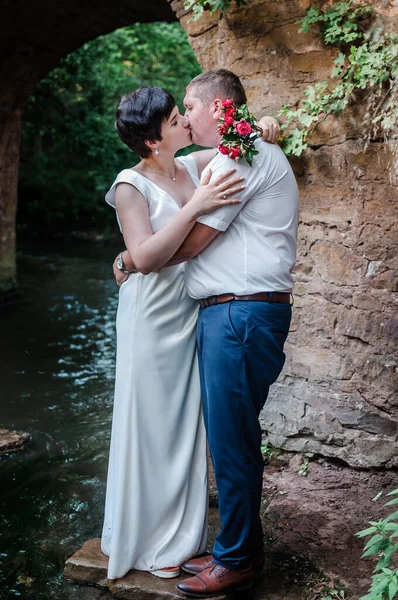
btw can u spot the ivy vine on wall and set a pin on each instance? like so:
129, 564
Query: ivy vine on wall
198, 7
368, 61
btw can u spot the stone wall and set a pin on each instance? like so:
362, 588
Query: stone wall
338, 392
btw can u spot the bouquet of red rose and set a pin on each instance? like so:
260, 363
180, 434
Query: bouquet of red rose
239, 131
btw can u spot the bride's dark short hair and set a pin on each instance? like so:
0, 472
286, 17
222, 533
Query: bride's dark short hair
140, 115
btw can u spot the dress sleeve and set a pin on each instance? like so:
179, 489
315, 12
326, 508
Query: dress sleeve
126, 176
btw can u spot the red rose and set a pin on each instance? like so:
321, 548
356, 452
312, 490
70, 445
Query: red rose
223, 149
229, 120
230, 112
243, 127
222, 128
234, 152
228, 102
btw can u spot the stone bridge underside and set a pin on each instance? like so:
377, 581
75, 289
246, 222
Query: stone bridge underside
34, 36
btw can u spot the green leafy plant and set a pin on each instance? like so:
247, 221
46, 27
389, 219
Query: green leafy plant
303, 471
269, 451
198, 7
325, 588
367, 62
340, 22
382, 544
332, 594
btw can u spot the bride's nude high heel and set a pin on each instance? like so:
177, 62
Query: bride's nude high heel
167, 573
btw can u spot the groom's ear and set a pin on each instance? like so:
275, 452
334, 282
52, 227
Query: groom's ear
217, 108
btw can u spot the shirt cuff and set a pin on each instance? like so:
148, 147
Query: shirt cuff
213, 222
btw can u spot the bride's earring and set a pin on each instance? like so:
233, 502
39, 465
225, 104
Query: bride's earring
156, 151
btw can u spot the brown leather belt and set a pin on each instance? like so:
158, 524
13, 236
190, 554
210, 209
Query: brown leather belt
280, 297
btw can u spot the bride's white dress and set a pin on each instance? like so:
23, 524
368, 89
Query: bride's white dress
156, 497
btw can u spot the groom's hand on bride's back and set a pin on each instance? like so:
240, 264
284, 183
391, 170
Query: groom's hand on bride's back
271, 129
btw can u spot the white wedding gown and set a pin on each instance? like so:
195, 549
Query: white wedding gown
156, 497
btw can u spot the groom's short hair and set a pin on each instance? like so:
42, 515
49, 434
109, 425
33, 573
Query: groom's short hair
218, 83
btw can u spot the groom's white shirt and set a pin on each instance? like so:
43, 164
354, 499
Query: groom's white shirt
256, 249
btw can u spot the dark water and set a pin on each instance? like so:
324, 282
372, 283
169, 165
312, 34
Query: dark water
57, 350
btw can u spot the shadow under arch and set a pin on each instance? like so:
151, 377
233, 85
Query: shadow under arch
34, 37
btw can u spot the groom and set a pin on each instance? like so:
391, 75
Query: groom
243, 283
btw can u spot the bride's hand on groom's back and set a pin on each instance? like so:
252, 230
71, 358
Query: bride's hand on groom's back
271, 129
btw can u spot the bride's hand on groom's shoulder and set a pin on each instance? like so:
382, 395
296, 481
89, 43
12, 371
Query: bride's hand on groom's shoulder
216, 191
271, 129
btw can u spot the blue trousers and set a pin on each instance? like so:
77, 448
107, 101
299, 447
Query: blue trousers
240, 346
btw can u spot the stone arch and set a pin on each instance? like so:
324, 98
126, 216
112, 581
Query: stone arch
34, 37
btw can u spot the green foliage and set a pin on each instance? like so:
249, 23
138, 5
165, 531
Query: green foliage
333, 594
199, 6
269, 451
340, 22
70, 150
368, 61
382, 545
303, 471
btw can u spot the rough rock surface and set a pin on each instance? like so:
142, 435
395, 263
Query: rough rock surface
89, 566
337, 395
10, 441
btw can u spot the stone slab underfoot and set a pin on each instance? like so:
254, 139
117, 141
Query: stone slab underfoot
10, 441
286, 576
89, 566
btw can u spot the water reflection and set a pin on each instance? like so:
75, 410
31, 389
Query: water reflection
56, 372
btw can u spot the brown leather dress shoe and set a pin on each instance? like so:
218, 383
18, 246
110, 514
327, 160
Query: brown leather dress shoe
194, 566
216, 581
